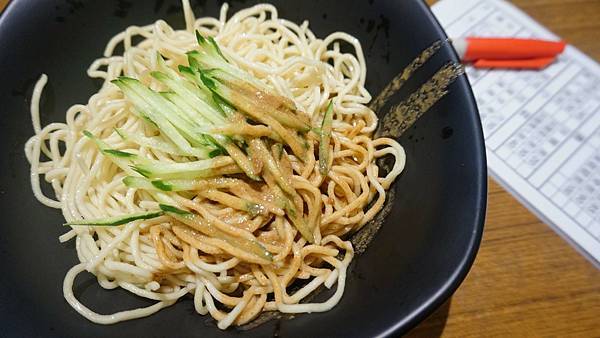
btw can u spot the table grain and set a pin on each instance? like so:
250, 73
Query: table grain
526, 281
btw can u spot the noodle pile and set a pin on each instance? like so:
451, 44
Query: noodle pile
162, 259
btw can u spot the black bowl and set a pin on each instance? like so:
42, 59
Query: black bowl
415, 262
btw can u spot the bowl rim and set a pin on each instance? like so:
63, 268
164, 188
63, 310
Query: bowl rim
466, 262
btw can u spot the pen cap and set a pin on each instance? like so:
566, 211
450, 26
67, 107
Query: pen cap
510, 48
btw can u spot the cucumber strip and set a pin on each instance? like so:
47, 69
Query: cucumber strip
158, 144
164, 185
209, 56
284, 187
136, 92
191, 97
193, 77
262, 153
182, 105
247, 130
121, 158
117, 220
186, 118
291, 138
140, 183
325, 139
162, 66
167, 110
242, 161
186, 170
205, 127
228, 109
188, 127
253, 206
298, 220
202, 93
221, 141
183, 185
217, 102
106, 149
173, 210
190, 111
250, 99
290, 209
279, 107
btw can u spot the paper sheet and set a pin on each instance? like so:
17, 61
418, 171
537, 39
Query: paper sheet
542, 128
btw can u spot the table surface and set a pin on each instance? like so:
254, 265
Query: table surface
526, 280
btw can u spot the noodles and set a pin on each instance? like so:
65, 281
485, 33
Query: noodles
234, 247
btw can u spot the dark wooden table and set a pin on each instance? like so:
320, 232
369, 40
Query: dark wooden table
527, 281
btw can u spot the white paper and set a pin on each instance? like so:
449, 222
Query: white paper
542, 128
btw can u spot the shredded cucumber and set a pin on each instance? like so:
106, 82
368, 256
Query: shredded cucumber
118, 220
325, 134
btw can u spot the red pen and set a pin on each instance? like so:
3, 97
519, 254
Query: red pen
508, 52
